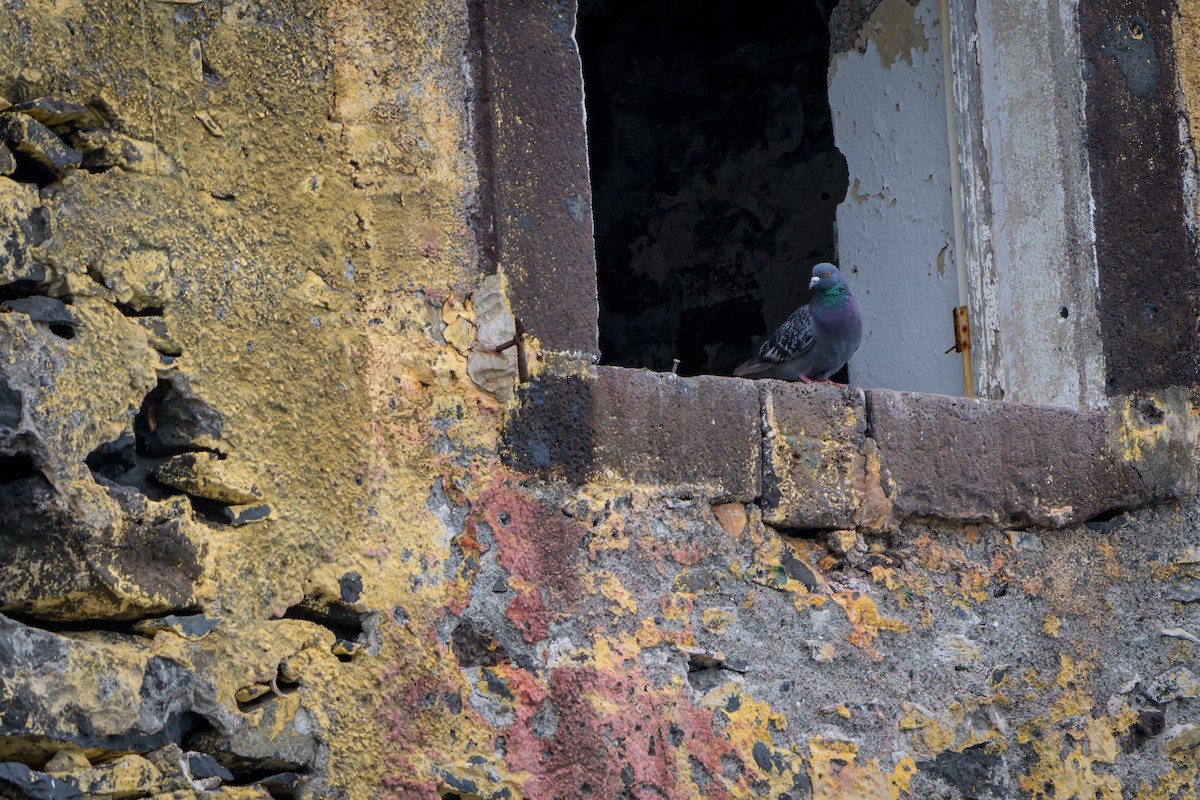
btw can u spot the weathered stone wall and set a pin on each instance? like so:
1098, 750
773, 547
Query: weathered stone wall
280, 521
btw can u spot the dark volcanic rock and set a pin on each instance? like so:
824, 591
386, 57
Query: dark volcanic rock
31, 140
202, 766
174, 420
23, 227
48, 311
10, 406
53, 111
976, 774
61, 566
146, 702
19, 781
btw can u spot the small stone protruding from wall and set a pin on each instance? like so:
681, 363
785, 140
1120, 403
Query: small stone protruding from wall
33, 142
492, 371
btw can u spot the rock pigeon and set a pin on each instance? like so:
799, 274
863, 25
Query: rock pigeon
817, 339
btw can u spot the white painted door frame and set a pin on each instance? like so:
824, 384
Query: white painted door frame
1027, 241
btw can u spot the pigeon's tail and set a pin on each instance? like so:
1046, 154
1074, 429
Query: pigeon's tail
752, 367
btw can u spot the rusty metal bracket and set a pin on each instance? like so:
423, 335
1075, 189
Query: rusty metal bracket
518, 341
962, 344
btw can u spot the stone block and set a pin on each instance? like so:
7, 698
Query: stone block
813, 460
642, 426
144, 704
148, 558
32, 141
962, 459
540, 208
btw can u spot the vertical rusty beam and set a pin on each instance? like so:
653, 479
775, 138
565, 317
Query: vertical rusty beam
1149, 286
536, 217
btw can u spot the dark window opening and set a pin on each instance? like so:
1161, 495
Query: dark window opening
714, 173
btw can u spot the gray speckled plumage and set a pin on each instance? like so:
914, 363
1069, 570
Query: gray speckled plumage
817, 339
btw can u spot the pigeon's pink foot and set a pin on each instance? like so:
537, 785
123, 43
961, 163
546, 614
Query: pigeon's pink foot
805, 379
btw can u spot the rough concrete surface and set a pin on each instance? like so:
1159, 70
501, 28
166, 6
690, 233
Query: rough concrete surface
279, 521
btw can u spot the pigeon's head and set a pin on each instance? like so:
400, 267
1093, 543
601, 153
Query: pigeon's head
825, 276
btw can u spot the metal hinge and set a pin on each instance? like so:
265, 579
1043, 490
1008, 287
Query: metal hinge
962, 345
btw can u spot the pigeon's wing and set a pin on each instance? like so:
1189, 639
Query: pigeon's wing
793, 339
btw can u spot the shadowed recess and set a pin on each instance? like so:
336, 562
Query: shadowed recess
714, 173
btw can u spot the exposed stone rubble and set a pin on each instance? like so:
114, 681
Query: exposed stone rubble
114, 475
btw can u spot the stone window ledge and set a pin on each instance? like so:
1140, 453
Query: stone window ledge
831, 457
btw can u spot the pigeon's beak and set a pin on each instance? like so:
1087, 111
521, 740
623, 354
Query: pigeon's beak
813, 282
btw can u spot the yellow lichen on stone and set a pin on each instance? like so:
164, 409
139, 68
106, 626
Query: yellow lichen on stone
835, 775
865, 619
610, 586
1160, 428
1069, 742
934, 737
718, 620
961, 725
1174, 784
901, 777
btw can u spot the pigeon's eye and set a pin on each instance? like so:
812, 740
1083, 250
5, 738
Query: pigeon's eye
827, 274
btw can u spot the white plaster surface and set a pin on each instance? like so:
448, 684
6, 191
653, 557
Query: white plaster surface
1041, 221
895, 228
